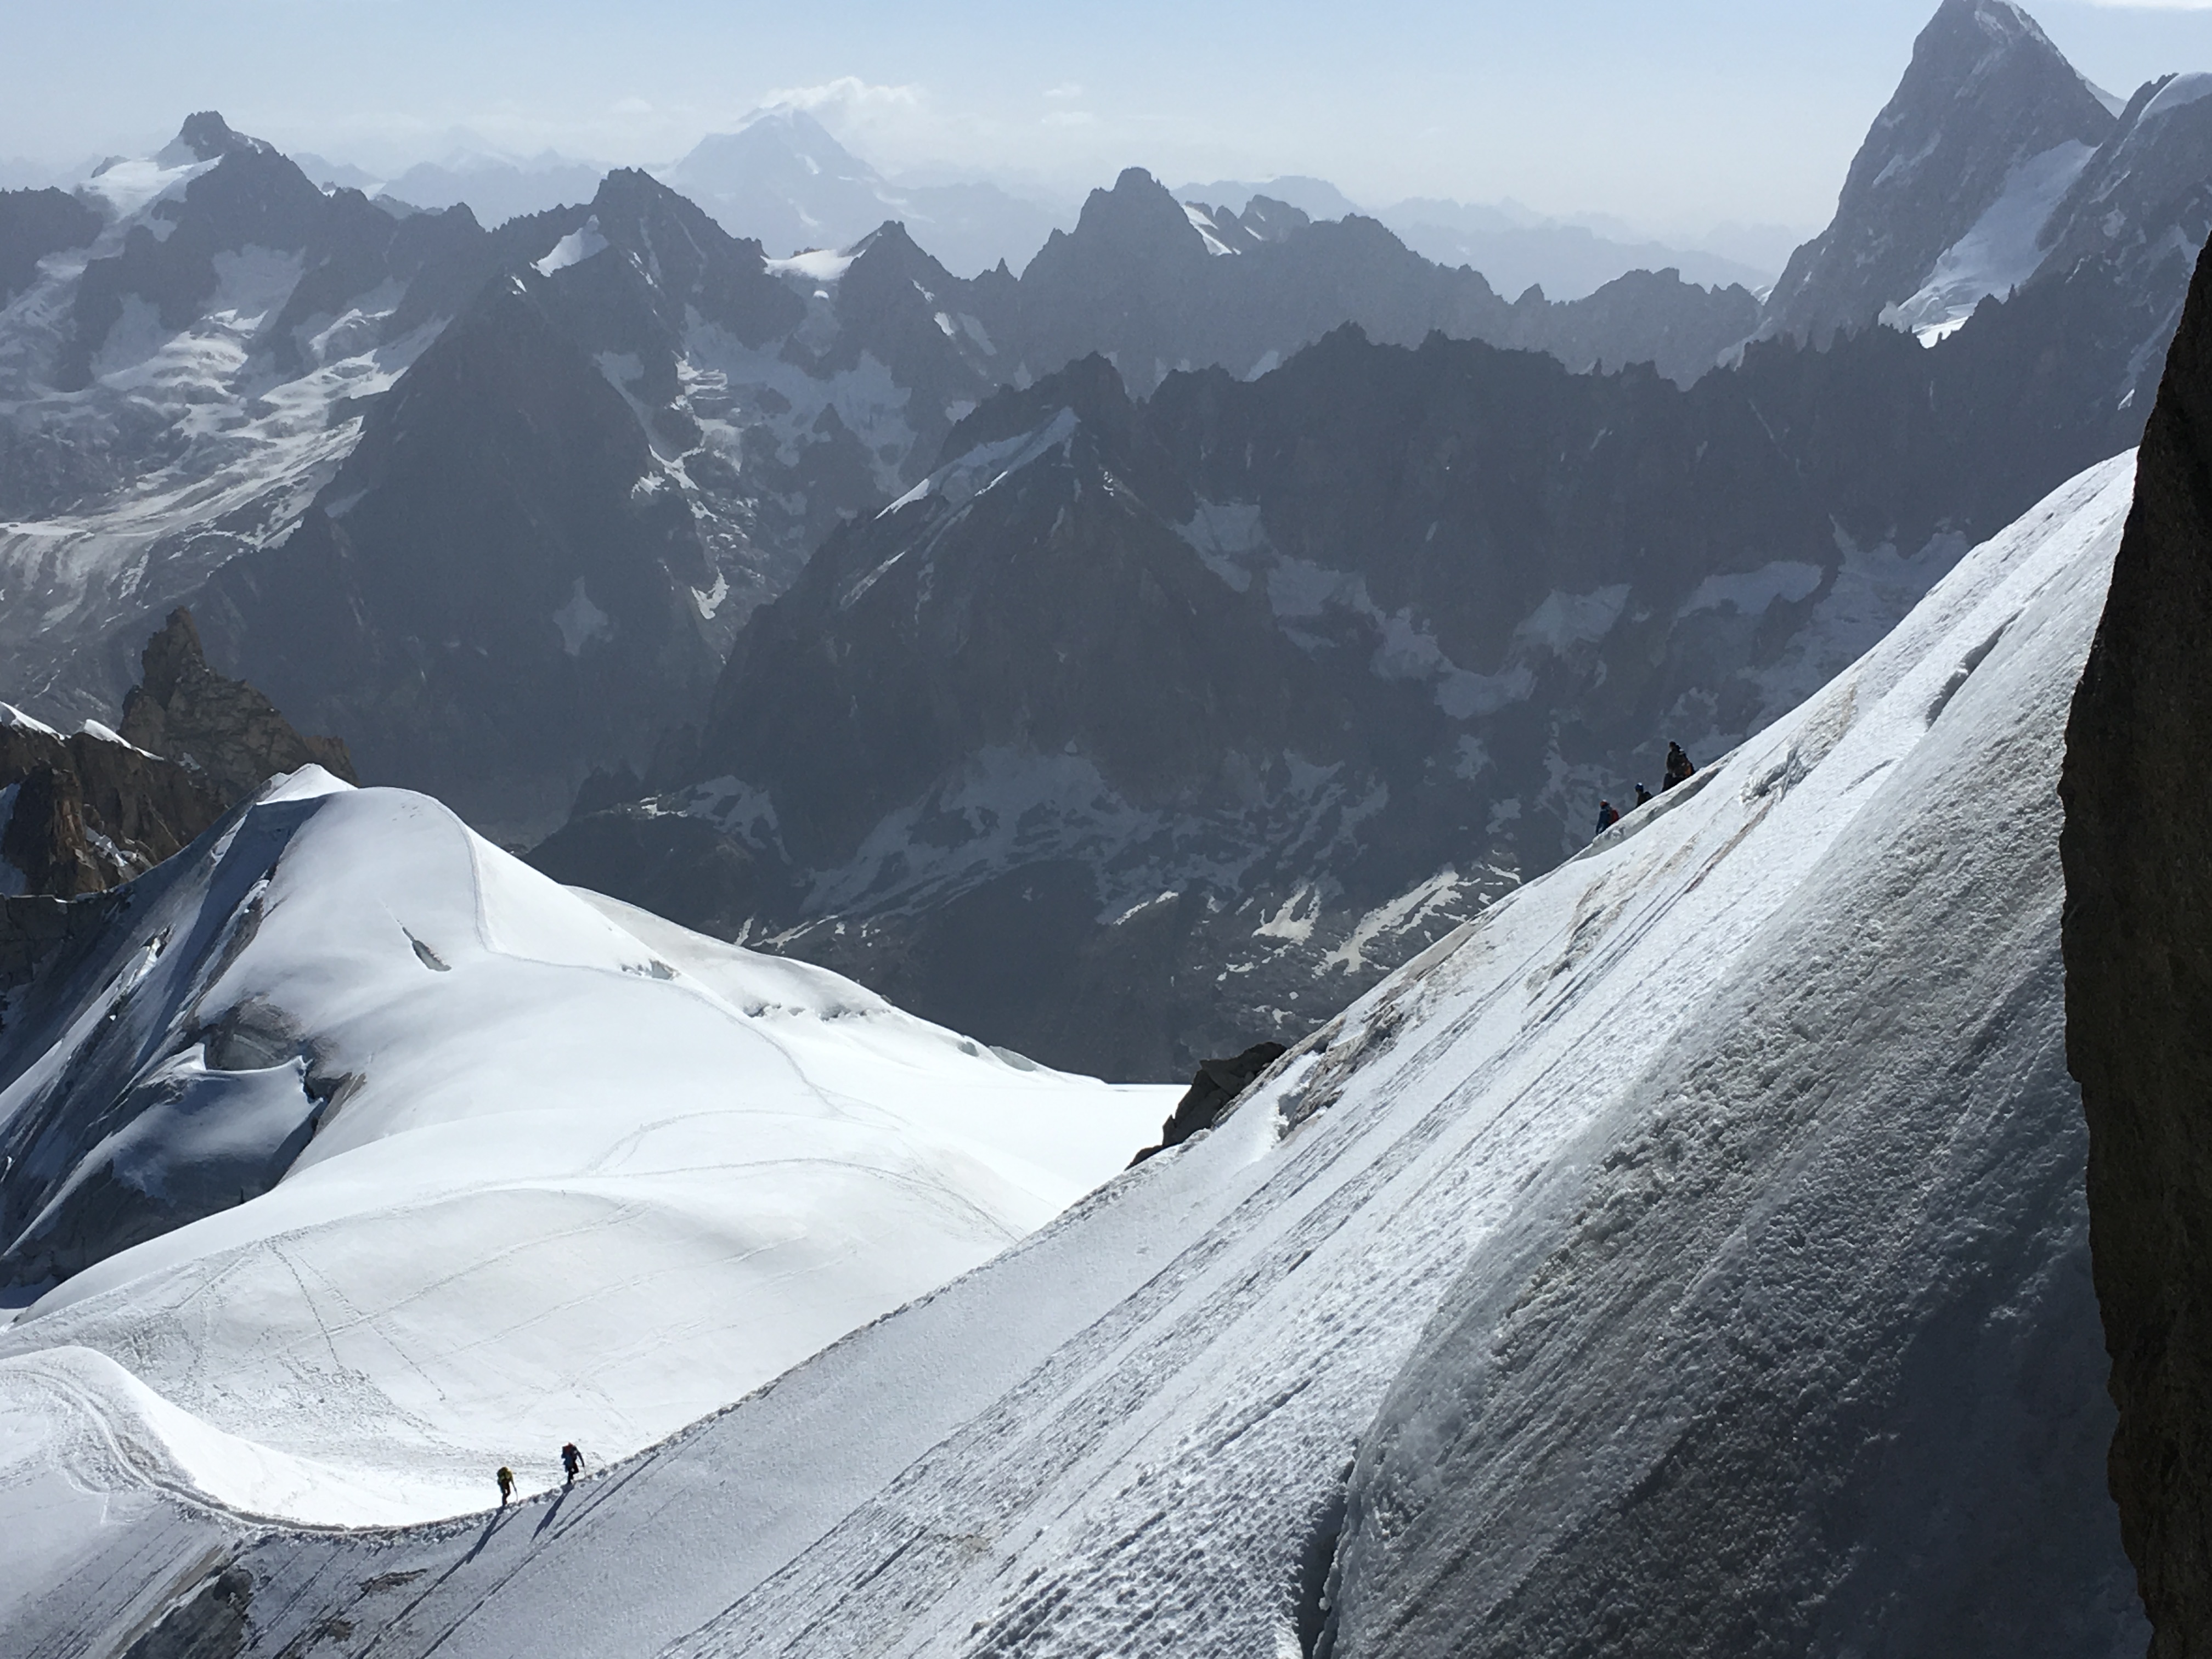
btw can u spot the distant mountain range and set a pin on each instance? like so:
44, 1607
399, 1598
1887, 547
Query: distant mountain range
495, 188
1564, 259
501, 508
1140, 730
782, 179
492, 504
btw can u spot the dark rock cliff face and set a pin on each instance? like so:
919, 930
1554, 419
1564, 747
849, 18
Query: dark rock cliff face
34, 223
2138, 947
494, 595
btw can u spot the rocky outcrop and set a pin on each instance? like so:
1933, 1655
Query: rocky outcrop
222, 728
211, 1624
1212, 1093
2138, 947
83, 813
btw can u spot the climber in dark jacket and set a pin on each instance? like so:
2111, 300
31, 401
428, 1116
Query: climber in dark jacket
1643, 795
1607, 817
1678, 768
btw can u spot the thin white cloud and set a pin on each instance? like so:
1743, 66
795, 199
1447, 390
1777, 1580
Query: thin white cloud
847, 95
2153, 5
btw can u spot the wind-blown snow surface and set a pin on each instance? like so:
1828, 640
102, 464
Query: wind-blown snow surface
579, 1175
1691, 1253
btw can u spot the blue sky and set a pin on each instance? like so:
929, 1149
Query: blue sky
1672, 116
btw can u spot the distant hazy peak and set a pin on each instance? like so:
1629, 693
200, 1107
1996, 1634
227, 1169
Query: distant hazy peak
788, 134
1139, 207
205, 136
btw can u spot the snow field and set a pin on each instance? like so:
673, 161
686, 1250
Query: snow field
584, 1187
1157, 1483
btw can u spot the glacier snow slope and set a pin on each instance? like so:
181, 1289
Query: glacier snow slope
1689, 1254
568, 1171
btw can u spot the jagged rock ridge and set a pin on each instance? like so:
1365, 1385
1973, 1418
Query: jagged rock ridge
222, 728
84, 813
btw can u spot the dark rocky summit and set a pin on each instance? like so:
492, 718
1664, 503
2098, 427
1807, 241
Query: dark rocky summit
1998, 168
222, 728
84, 813
2138, 947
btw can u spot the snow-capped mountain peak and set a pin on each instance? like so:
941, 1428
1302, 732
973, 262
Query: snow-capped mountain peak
1988, 118
206, 137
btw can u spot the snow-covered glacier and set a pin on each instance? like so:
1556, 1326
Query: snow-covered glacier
517, 1167
1689, 1254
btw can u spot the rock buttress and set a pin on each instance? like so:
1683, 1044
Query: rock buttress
2138, 948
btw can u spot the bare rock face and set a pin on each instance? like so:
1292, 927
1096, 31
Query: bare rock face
2138, 949
222, 728
1217, 1086
84, 813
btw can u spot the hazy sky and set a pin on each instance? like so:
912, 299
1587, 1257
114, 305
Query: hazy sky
1671, 114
